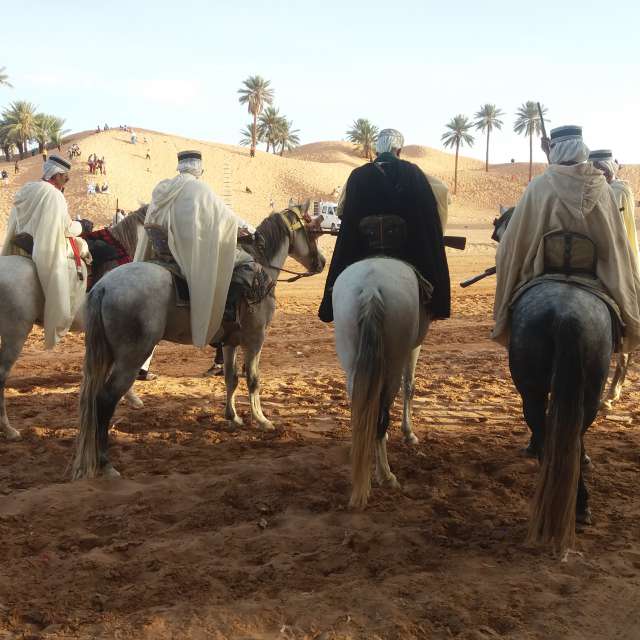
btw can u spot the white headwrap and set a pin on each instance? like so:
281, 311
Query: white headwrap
569, 149
389, 140
51, 167
605, 162
191, 165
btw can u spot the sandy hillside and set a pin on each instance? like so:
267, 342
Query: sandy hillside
230, 533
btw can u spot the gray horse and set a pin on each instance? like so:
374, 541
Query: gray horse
134, 307
22, 306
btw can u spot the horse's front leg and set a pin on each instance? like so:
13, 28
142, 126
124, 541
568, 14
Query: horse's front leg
231, 384
408, 388
10, 347
252, 365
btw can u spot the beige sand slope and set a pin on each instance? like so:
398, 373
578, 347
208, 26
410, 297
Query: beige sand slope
310, 171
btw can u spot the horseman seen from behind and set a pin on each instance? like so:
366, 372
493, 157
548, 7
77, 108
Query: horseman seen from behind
40, 226
391, 208
201, 232
571, 198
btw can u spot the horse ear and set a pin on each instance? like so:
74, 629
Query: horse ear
304, 210
315, 224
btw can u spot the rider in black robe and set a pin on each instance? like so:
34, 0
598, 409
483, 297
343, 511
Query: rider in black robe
390, 186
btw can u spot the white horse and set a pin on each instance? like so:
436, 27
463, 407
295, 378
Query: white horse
132, 308
22, 306
380, 324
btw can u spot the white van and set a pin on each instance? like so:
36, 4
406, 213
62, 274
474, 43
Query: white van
327, 210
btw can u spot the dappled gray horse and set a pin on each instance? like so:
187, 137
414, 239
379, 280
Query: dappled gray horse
22, 306
134, 307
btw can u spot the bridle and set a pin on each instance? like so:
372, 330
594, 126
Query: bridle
297, 224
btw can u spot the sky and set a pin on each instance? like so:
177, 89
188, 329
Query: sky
176, 67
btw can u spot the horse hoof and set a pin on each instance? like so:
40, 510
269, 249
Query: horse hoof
584, 517
109, 471
268, 426
12, 434
607, 405
586, 460
411, 439
134, 402
235, 421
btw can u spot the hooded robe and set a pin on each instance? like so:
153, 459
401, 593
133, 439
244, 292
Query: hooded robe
572, 198
202, 234
40, 210
626, 205
390, 186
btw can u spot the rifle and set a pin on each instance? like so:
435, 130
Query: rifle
544, 130
487, 272
453, 242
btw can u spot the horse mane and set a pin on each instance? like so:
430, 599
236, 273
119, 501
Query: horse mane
274, 231
126, 231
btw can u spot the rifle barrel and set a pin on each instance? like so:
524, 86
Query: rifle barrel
488, 272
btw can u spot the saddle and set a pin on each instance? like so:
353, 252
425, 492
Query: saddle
569, 253
384, 234
249, 281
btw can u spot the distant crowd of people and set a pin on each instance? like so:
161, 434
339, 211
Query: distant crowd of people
74, 151
97, 164
95, 188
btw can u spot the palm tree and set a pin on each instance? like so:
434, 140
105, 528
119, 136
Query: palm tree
48, 129
364, 134
285, 136
487, 119
4, 78
269, 120
527, 123
6, 144
255, 94
19, 124
249, 136
457, 134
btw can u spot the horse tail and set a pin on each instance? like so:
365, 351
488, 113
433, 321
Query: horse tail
98, 360
553, 516
368, 386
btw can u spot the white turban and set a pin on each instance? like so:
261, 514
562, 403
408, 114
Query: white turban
388, 140
190, 165
567, 149
53, 166
603, 159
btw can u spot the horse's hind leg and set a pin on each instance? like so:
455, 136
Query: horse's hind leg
383, 471
120, 380
11, 344
408, 388
534, 408
231, 385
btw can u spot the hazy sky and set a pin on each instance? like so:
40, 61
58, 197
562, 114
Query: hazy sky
412, 65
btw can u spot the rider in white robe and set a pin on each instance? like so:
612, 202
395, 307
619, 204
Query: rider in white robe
202, 234
603, 159
40, 210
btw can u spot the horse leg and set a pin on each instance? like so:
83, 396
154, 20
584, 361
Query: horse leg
409, 387
383, 471
534, 408
120, 380
11, 345
615, 388
231, 385
252, 365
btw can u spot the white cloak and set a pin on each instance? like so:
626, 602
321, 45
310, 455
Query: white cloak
568, 198
202, 234
40, 210
626, 204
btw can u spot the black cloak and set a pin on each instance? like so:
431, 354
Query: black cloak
390, 186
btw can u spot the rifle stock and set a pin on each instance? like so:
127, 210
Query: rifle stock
487, 272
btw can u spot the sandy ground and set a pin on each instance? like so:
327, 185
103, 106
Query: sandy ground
219, 533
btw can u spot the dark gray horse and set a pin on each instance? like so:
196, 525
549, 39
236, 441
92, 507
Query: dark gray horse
559, 353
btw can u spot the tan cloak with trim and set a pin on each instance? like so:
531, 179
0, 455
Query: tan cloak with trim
41, 211
202, 234
570, 198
